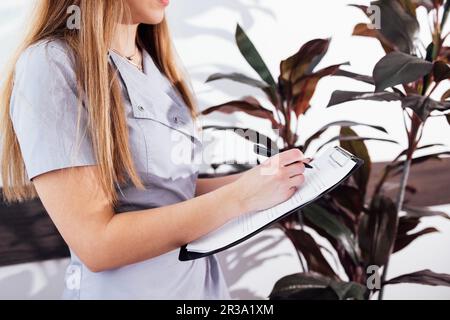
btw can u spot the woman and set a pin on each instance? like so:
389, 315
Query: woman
91, 119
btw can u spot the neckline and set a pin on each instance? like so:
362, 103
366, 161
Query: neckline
150, 74
130, 61
144, 72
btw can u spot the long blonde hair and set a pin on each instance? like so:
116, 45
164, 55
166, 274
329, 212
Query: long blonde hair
97, 82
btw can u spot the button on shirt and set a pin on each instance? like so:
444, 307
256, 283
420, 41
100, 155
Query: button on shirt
164, 143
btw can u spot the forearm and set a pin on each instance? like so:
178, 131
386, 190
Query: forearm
137, 236
208, 185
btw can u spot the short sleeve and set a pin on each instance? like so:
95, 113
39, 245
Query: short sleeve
50, 125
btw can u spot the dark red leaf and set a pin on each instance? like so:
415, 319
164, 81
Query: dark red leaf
304, 61
403, 241
377, 231
355, 76
445, 54
407, 224
350, 198
249, 105
359, 149
306, 244
426, 277
340, 96
304, 89
363, 30
422, 212
441, 71
446, 95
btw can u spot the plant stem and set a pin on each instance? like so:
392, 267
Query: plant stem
400, 200
413, 141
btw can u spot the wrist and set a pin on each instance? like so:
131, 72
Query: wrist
235, 200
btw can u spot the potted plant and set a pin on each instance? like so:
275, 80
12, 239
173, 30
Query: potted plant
363, 229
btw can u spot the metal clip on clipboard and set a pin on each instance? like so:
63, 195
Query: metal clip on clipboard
341, 157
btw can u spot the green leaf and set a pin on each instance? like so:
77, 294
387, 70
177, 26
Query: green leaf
312, 286
396, 168
238, 77
402, 241
249, 105
359, 149
241, 78
303, 286
425, 277
354, 138
350, 290
399, 68
445, 14
332, 226
349, 124
423, 106
427, 78
398, 25
405, 152
248, 50
306, 244
377, 231
339, 96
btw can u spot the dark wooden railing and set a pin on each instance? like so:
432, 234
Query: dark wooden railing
27, 234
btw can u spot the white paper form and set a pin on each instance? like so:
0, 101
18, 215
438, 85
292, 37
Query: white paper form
328, 170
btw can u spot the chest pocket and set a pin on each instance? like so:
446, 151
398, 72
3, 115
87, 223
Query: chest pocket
170, 138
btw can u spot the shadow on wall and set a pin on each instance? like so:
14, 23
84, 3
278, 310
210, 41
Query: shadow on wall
183, 17
185, 13
237, 261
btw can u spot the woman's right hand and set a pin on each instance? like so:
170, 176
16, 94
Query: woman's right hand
271, 183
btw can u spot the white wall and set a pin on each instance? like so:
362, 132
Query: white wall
203, 31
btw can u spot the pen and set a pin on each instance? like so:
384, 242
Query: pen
262, 151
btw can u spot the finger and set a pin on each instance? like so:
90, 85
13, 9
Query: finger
291, 192
288, 157
297, 181
308, 160
295, 169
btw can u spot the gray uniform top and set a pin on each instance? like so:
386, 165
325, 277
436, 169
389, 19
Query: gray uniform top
44, 111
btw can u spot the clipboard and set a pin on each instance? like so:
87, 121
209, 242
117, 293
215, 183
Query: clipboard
342, 155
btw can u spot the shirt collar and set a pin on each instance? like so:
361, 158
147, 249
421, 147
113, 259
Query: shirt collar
148, 91
151, 77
